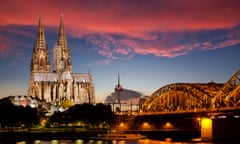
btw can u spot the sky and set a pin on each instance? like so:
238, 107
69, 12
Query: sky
151, 43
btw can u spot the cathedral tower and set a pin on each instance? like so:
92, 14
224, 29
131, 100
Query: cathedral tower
61, 51
40, 57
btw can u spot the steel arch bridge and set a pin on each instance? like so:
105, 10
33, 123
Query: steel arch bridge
194, 96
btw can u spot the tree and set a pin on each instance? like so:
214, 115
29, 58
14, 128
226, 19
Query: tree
86, 113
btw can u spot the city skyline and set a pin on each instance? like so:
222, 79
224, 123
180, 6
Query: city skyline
150, 43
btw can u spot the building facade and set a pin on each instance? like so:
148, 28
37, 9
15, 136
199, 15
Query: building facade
61, 83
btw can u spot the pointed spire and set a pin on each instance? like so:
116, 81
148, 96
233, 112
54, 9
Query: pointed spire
61, 50
40, 39
118, 89
118, 79
40, 57
61, 33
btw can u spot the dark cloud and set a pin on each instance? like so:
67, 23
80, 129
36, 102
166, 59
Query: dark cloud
125, 95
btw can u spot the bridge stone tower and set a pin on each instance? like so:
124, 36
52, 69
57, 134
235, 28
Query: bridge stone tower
61, 84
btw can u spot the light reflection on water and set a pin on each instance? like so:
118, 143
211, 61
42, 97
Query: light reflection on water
80, 141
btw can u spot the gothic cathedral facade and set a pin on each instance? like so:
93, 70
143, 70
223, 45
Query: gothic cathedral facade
60, 83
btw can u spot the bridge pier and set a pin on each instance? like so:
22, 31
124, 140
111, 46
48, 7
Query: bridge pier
220, 128
206, 129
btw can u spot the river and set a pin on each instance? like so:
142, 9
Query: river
80, 141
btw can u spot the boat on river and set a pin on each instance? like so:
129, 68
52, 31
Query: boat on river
119, 136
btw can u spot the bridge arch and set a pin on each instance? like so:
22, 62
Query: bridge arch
229, 94
180, 97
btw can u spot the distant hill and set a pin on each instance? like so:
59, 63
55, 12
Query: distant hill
125, 96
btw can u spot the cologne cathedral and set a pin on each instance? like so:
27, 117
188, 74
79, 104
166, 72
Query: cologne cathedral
61, 83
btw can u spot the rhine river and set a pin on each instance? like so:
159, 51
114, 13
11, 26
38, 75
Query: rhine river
80, 141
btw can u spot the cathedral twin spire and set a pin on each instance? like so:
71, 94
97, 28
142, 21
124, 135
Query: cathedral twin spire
59, 84
40, 58
40, 40
61, 33
61, 53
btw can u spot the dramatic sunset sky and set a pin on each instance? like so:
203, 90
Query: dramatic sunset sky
150, 42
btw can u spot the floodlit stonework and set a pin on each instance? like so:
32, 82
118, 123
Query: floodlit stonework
61, 83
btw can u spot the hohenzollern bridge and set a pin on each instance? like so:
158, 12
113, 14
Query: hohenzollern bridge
179, 97
210, 111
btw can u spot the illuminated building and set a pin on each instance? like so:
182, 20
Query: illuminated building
60, 83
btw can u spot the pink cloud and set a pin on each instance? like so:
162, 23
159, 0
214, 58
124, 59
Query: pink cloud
17, 31
223, 44
14, 47
124, 16
5, 47
139, 22
164, 45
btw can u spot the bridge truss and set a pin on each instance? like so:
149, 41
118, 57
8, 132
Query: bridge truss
194, 96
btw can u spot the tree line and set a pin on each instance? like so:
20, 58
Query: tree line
86, 114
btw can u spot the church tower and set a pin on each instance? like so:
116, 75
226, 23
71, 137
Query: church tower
61, 51
40, 57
